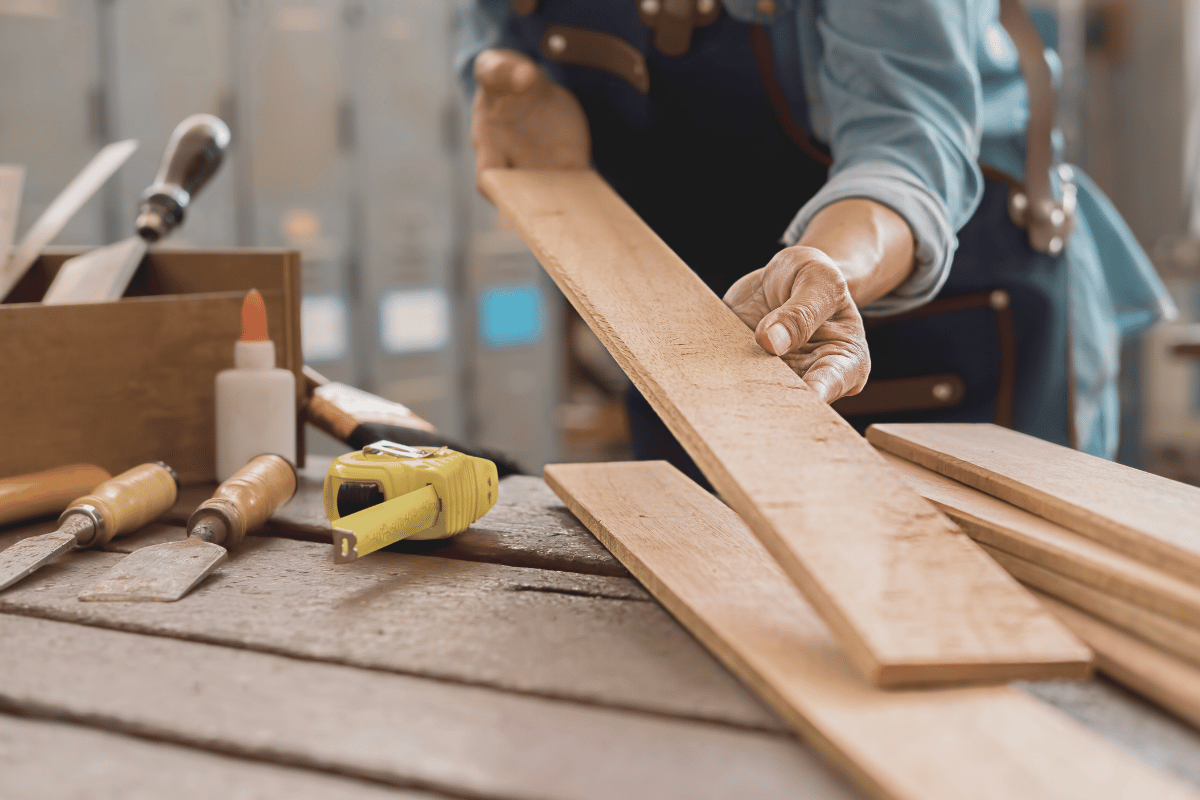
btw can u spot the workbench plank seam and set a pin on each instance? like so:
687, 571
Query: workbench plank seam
51, 615
38, 711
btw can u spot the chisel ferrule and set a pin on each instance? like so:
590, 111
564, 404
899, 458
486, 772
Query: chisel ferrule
217, 522
84, 522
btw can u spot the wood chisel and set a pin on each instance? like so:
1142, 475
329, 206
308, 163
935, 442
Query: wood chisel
193, 155
39, 494
61, 209
387, 492
166, 572
118, 506
359, 418
12, 181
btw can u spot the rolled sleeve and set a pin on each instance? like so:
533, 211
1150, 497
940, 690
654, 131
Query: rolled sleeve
483, 25
924, 212
903, 95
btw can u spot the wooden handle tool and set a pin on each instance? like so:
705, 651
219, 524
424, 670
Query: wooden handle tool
245, 502
118, 506
165, 573
40, 494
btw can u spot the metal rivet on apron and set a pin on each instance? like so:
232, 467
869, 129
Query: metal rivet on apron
650, 7
942, 391
766, 6
704, 6
998, 300
557, 43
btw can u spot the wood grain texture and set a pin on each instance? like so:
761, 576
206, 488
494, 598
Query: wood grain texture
1170, 682
704, 564
553, 634
12, 181
409, 732
1144, 516
528, 527
137, 409
911, 599
42, 760
1027, 536
1179, 638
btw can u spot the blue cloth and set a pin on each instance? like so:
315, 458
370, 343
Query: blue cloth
910, 96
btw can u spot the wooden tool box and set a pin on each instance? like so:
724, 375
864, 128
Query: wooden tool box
118, 384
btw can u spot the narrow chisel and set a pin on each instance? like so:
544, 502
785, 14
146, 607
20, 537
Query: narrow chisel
48, 492
118, 506
192, 157
166, 572
61, 209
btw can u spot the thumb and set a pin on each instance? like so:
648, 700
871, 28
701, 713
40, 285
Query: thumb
792, 324
501, 72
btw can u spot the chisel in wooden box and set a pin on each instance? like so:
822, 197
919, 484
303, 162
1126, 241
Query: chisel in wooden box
118, 506
166, 572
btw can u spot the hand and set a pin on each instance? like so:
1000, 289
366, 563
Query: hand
521, 118
800, 308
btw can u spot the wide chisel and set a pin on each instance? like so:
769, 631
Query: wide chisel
118, 506
166, 572
39, 494
61, 209
192, 157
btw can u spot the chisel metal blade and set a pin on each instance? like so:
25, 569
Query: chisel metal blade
97, 276
161, 573
27, 555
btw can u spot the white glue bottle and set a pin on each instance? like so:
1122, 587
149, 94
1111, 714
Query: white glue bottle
256, 401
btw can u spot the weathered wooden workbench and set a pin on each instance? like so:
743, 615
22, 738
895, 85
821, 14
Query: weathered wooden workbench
518, 660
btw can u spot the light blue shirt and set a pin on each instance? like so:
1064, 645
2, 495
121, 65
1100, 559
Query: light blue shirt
910, 96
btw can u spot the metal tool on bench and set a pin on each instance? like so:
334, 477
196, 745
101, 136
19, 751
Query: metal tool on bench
166, 572
47, 492
61, 209
387, 492
359, 418
116, 507
193, 155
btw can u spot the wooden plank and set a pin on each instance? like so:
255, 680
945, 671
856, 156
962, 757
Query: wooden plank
42, 760
911, 599
704, 564
1181, 639
12, 181
408, 732
554, 634
1144, 516
1027, 536
1170, 682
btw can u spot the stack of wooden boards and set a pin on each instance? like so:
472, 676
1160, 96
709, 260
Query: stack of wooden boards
1116, 549
908, 600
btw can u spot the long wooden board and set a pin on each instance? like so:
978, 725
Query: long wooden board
1145, 516
1169, 682
584, 638
461, 741
1022, 534
704, 564
51, 761
911, 599
1172, 636
12, 181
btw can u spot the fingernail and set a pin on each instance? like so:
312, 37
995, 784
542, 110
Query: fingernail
779, 338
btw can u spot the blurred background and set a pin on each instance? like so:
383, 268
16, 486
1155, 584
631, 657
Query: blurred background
350, 145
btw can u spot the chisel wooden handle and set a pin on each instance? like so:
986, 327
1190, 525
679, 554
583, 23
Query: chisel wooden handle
247, 499
127, 502
42, 493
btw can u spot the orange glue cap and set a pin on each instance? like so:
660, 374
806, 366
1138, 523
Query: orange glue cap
254, 318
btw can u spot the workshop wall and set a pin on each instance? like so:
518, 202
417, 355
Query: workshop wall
348, 145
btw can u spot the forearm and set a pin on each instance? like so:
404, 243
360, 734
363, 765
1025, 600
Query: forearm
872, 245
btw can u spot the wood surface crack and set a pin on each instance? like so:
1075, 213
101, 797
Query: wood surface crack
39, 711
578, 593
778, 731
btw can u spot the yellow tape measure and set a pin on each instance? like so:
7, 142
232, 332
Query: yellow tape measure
387, 492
